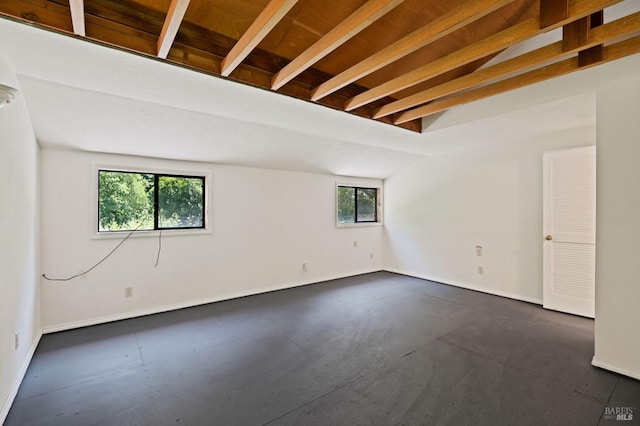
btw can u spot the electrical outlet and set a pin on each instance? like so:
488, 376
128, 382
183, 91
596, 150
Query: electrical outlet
478, 250
16, 341
355, 244
371, 256
305, 266
480, 270
128, 292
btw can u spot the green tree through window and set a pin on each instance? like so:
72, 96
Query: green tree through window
180, 202
125, 201
357, 205
144, 201
346, 204
366, 204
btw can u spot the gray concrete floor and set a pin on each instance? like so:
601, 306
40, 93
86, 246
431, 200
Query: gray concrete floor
376, 349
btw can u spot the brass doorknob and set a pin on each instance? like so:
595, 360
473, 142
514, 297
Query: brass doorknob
548, 238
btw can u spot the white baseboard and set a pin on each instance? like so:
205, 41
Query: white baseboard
191, 303
16, 384
611, 367
510, 295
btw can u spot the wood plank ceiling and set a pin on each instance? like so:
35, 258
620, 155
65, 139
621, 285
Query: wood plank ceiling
395, 61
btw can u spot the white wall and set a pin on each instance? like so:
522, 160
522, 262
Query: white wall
19, 284
265, 223
618, 225
441, 208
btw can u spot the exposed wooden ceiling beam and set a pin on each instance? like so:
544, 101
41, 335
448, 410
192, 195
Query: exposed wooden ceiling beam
623, 27
553, 11
176, 12
358, 21
495, 43
611, 53
77, 16
436, 29
198, 46
264, 23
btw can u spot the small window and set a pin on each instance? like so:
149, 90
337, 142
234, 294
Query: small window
149, 201
357, 205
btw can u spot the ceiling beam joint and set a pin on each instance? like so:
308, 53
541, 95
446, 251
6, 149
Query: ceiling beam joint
594, 54
576, 34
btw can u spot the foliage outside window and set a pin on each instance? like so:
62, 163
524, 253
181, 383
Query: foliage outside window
357, 205
148, 201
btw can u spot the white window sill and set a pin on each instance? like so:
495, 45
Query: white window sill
110, 235
358, 225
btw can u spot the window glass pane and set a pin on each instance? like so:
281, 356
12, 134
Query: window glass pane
366, 204
125, 201
346, 204
180, 202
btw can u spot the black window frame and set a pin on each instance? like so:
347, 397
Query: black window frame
156, 200
355, 209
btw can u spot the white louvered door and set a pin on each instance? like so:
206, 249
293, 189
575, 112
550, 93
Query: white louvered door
569, 226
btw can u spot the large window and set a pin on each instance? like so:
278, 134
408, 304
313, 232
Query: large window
149, 201
357, 205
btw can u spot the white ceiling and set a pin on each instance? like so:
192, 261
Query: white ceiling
89, 97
